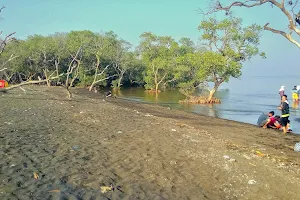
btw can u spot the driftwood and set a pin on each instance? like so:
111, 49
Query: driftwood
28, 83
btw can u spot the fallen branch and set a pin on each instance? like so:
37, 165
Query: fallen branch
28, 83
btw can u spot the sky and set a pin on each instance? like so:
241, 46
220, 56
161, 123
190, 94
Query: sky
130, 18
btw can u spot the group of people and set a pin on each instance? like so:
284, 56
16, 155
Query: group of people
295, 94
280, 122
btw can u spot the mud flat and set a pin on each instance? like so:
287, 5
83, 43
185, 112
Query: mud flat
55, 148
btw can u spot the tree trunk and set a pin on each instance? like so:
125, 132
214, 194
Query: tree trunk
155, 79
69, 93
211, 94
213, 90
156, 87
120, 80
47, 78
57, 72
91, 86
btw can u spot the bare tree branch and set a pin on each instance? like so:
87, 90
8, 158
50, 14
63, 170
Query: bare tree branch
295, 5
10, 59
217, 6
284, 34
100, 80
4, 42
72, 66
1, 9
8, 37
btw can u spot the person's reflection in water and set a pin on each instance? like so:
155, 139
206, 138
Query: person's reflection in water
211, 111
295, 105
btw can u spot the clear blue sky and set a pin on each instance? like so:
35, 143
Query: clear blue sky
130, 18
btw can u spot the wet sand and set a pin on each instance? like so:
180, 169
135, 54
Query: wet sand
144, 151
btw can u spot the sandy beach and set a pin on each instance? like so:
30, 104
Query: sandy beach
55, 148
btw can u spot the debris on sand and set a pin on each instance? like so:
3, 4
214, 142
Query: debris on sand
148, 115
35, 175
54, 191
25, 165
252, 182
247, 157
174, 130
297, 147
75, 147
229, 158
105, 189
180, 124
258, 153
120, 132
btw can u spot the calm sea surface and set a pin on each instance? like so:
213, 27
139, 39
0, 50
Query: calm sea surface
242, 100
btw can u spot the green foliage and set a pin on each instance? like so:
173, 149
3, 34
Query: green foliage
226, 45
158, 62
38, 56
229, 45
159, 55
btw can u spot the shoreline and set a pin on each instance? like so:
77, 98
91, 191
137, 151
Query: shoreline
147, 151
198, 114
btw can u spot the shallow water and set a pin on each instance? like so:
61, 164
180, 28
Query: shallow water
238, 103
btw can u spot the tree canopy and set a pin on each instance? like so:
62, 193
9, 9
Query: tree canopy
227, 45
88, 59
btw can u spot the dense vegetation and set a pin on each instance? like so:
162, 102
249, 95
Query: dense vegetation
87, 59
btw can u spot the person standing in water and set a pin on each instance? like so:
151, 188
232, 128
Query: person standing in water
295, 93
285, 113
298, 92
281, 91
295, 97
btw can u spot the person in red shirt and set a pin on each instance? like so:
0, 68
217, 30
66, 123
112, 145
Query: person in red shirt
271, 121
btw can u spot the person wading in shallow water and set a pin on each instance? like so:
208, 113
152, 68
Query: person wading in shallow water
295, 97
298, 92
281, 91
295, 93
285, 113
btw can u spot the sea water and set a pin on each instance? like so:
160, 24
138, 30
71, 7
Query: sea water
243, 100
